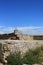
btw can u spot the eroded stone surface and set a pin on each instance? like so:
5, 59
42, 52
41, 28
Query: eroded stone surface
17, 45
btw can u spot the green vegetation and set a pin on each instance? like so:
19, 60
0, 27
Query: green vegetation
42, 47
14, 59
31, 57
34, 56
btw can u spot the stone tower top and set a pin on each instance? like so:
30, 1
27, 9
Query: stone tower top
16, 31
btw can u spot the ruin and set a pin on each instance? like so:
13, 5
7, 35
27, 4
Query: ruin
16, 35
17, 41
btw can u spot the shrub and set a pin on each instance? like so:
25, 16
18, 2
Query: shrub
14, 59
37, 51
42, 47
28, 58
32, 56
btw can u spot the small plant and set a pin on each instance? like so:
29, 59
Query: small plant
37, 51
14, 59
32, 56
42, 47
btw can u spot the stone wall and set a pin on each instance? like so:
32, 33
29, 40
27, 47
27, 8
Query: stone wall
1, 53
12, 46
18, 35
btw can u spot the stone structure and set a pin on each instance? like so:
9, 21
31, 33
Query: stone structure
12, 46
16, 41
16, 35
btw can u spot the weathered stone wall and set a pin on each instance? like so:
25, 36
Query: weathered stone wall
11, 46
1, 53
27, 37
23, 43
19, 45
17, 35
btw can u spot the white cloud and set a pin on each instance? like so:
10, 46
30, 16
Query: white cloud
4, 29
32, 30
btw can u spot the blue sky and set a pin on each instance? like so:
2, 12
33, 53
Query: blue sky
21, 13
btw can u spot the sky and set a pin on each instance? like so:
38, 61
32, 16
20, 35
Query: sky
21, 13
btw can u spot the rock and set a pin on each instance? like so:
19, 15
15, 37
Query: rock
1, 64
25, 64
